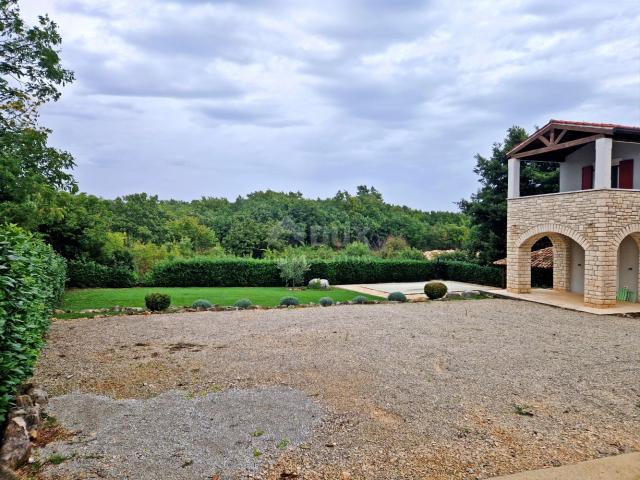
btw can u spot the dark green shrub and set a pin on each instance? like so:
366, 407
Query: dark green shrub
469, 272
289, 301
360, 299
31, 284
157, 302
435, 290
215, 272
89, 274
541, 277
344, 270
326, 301
247, 272
397, 297
356, 249
201, 304
243, 303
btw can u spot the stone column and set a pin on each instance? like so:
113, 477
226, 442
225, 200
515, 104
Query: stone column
519, 269
603, 163
600, 276
561, 263
513, 182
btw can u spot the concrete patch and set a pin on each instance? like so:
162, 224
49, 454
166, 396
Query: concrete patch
173, 436
412, 288
620, 467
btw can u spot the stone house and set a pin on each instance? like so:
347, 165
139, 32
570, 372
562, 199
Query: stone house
593, 222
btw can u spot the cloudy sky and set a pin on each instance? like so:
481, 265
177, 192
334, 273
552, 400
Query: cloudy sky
186, 98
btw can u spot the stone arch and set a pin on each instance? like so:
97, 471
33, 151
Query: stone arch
549, 229
627, 260
633, 230
562, 238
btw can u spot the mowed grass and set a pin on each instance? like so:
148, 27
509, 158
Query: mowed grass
89, 298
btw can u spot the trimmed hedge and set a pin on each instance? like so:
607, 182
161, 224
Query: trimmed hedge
32, 278
435, 290
215, 272
469, 272
89, 274
246, 272
157, 302
342, 271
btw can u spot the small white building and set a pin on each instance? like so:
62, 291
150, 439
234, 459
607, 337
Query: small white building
594, 220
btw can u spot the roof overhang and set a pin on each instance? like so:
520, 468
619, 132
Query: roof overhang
559, 138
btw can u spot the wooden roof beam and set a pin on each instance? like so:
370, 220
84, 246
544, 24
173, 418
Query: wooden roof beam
558, 146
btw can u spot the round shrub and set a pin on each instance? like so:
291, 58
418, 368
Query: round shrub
397, 297
360, 299
243, 303
326, 301
201, 304
435, 290
289, 301
157, 302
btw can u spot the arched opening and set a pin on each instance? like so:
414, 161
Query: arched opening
628, 266
576, 267
567, 257
542, 263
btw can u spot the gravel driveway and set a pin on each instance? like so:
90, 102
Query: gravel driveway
459, 389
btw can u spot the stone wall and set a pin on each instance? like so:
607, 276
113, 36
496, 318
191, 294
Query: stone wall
598, 220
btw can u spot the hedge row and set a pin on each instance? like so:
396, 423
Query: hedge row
240, 272
32, 279
364, 270
470, 272
213, 272
89, 274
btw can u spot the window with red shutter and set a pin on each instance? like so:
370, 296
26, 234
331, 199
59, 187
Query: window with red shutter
587, 177
625, 174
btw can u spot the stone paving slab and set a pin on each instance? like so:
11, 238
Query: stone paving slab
567, 300
412, 288
619, 467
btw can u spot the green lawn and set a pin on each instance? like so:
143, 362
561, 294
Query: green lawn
84, 298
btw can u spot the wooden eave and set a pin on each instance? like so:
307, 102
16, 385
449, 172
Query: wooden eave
548, 141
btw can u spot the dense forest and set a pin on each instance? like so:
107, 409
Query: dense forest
139, 230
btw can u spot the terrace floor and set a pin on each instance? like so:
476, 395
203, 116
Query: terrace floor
567, 300
413, 290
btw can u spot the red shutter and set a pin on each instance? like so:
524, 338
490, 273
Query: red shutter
587, 177
625, 174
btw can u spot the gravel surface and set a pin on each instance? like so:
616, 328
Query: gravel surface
459, 389
177, 436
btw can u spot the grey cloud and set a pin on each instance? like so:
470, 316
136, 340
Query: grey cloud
89, 9
247, 96
534, 96
165, 79
377, 102
264, 117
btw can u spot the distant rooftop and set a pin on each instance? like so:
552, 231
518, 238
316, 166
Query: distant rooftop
542, 258
592, 124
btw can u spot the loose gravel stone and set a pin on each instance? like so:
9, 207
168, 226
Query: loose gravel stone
176, 436
424, 390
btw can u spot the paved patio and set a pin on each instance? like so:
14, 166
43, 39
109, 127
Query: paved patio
413, 289
619, 467
545, 296
568, 300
